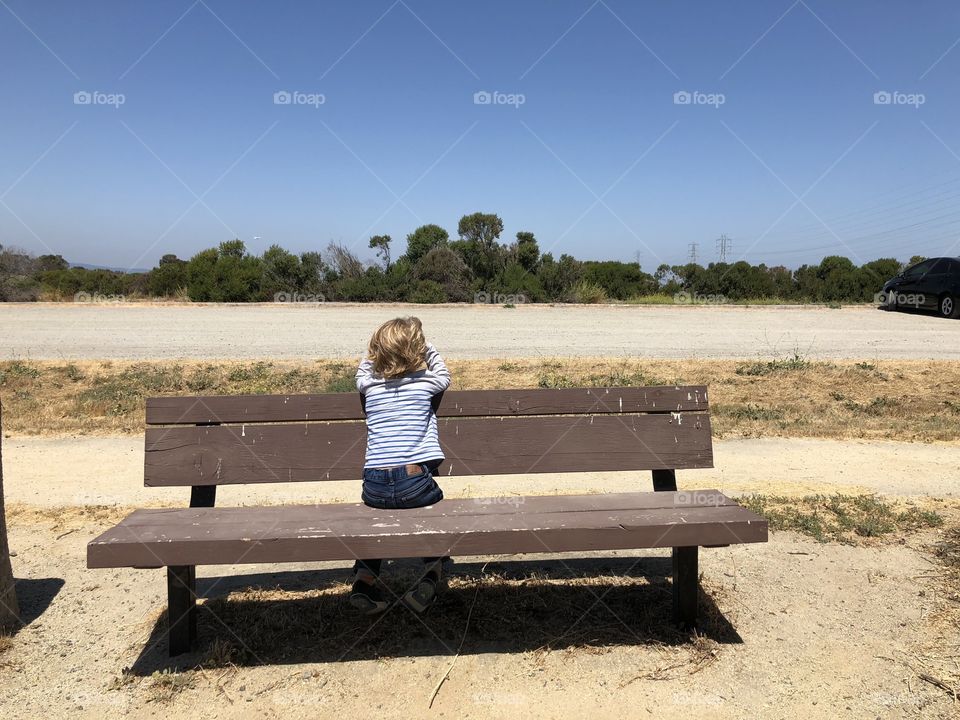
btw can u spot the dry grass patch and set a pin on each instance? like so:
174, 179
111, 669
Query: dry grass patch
788, 397
848, 519
935, 662
165, 685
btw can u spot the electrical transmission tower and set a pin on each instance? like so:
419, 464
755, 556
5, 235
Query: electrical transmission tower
693, 252
724, 245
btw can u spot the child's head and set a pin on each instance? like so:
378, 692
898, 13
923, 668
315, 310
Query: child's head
398, 347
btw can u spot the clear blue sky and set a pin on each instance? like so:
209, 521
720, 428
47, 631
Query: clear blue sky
118, 186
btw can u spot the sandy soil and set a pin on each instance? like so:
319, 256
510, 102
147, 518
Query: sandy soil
292, 331
795, 629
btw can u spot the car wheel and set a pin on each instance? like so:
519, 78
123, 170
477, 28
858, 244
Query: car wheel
949, 307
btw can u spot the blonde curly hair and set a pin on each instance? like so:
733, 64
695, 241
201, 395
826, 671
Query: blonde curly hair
398, 347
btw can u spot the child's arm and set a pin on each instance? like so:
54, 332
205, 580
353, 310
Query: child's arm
365, 375
437, 373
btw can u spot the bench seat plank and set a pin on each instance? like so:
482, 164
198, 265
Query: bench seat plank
218, 536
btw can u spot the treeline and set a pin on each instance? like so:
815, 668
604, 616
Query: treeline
476, 266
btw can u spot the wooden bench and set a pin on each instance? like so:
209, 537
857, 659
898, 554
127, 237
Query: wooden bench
204, 442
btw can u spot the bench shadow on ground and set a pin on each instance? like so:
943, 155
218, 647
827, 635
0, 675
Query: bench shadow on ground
917, 312
34, 596
513, 607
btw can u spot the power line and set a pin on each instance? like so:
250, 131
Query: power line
693, 252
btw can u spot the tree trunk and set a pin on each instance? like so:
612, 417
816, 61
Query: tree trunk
9, 612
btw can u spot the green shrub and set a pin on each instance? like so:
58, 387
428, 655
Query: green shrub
428, 292
589, 293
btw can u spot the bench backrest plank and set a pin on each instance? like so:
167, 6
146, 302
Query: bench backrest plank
263, 439
460, 403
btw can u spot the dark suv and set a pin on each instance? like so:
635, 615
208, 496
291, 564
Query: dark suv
933, 284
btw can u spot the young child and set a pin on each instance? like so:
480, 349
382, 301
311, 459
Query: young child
398, 379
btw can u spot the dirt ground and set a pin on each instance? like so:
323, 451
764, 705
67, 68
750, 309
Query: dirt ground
792, 627
42, 331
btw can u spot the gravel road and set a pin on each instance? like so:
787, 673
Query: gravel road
131, 331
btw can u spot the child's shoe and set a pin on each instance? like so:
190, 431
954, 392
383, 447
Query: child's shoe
366, 597
424, 593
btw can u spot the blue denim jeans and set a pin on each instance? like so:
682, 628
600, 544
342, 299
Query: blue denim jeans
396, 490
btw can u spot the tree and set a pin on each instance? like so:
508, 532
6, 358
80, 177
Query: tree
559, 277
478, 245
621, 280
281, 272
873, 275
424, 239
518, 282
18, 275
446, 269
838, 277
482, 228
168, 277
311, 272
225, 274
51, 262
382, 245
427, 291
343, 262
526, 252
9, 611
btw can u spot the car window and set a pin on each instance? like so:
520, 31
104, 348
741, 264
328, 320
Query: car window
940, 266
918, 270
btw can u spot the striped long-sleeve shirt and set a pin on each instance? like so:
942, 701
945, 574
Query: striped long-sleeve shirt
401, 424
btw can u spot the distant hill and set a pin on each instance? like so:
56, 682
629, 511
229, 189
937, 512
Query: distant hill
86, 266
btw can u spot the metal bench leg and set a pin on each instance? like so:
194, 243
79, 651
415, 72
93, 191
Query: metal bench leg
685, 586
665, 480
203, 495
181, 607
